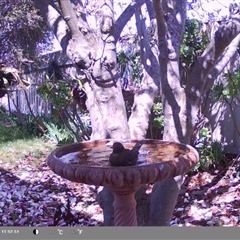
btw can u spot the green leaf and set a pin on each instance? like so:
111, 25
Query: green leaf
226, 92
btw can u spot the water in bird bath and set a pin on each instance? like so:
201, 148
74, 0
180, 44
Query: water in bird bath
150, 153
88, 162
94, 157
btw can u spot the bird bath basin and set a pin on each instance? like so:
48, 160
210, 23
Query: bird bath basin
88, 162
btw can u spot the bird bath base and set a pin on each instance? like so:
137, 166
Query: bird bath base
124, 205
87, 162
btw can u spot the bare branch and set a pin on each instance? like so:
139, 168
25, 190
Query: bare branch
125, 17
150, 9
199, 73
160, 19
221, 63
70, 17
148, 58
54, 20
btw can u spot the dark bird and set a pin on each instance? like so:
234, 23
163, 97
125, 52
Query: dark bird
124, 157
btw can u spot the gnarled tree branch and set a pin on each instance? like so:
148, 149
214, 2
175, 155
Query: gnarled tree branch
125, 17
198, 74
221, 63
144, 98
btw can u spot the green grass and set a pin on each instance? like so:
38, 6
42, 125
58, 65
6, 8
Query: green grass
10, 133
19, 144
21, 150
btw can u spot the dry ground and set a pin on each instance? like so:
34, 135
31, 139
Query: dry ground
32, 195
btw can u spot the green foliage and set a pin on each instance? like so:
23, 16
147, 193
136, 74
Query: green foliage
12, 128
130, 64
122, 60
29, 127
194, 41
3, 114
157, 115
136, 67
9, 133
204, 133
211, 156
58, 93
229, 89
229, 93
21, 28
66, 125
156, 123
58, 134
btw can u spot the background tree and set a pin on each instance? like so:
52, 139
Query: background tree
22, 28
181, 102
94, 53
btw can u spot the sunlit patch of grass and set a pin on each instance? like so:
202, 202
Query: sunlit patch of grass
25, 150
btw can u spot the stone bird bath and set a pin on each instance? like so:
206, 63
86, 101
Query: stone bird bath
87, 162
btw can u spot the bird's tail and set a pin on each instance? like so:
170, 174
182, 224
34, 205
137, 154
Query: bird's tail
138, 145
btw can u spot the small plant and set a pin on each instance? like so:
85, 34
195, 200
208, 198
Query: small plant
194, 41
211, 156
158, 119
58, 134
156, 124
203, 138
12, 128
228, 92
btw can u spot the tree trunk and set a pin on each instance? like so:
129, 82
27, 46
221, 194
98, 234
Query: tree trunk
95, 59
181, 105
144, 98
96, 63
171, 19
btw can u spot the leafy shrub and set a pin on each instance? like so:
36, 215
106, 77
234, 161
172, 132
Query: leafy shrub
9, 133
58, 93
229, 89
156, 123
211, 156
30, 127
11, 127
194, 41
23, 29
58, 134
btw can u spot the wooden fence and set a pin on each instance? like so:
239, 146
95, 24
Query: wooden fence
224, 122
19, 98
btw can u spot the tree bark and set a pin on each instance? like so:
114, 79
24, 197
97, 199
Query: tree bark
180, 104
171, 20
95, 59
144, 98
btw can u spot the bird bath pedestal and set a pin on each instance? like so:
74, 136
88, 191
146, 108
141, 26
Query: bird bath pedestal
87, 162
